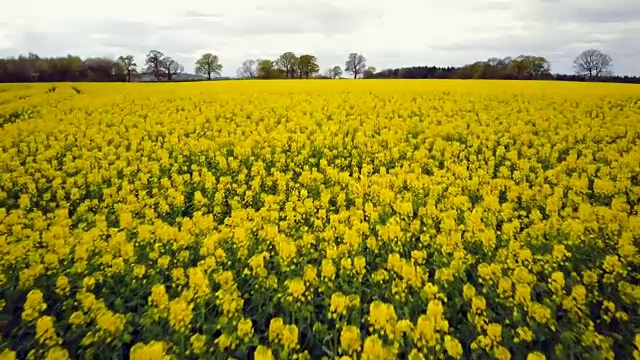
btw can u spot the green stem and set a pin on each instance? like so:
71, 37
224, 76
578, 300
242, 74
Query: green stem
335, 341
182, 345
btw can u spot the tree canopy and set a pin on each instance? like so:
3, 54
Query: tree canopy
355, 64
208, 65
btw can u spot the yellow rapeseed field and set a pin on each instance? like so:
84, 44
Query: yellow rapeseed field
308, 219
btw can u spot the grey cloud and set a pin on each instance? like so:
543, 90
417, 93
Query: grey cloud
110, 39
280, 18
559, 44
579, 11
141, 37
493, 5
201, 14
556, 29
607, 15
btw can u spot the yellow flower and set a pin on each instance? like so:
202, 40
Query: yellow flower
180, 315
559, 252
359, 264
524, 334
415, 355
139, 270
152, 351
478, 304
539, 312
484, 271
327, 269
62, 285
502, 353
178, 276
468, 291
556, 283
225, 342
290, 337
338, 305
435, 309
33, 306
163, 262
245, 329
77, 318
523, 293
7, 354
46, 331
112, 324
198, 282
295, 195
382, 317
159, 297
198, 343
579, 293
87, 300
276, 328
505, 286
589, 277
494, 331
346, 264
431, 290
374, 349
88, 283
296, 289
310, 273
424, 333
57, 353
453, 347
403, 327
536, 355
263, 353
350, 339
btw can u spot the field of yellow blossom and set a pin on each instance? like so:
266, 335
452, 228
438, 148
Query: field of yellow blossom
308, 219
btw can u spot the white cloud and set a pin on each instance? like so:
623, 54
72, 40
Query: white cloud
390, 33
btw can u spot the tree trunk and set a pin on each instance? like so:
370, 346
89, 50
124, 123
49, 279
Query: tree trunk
209, 74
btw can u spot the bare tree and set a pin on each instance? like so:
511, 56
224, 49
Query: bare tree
208, 64
248, 69
592, 63
155, 64
171, 67
355, 65
129, 65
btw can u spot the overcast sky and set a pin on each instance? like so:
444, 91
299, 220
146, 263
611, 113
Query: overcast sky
390, 33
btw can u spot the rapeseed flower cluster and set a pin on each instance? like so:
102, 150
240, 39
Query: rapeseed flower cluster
348, 220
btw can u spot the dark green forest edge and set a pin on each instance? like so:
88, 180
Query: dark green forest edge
590, 65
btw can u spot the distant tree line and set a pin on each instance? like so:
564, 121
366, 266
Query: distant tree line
291, 66
590, 65
33, 68
158, 66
